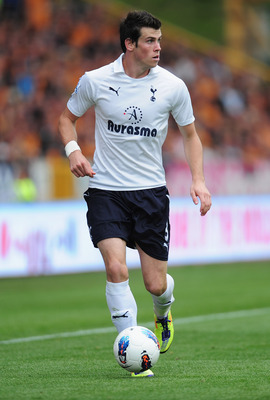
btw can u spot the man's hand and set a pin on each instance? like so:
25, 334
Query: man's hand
199, 190
79, 165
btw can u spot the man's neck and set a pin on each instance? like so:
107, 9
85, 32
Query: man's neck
132, 69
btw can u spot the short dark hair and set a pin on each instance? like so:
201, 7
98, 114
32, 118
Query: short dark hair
130, 27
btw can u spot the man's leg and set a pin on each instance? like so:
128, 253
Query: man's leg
160, 285
119, 297
157, 282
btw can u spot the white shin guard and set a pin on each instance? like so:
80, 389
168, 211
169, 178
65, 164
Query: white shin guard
122, 305
162, 304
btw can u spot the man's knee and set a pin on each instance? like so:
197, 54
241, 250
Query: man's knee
116, 271
156, 287
113, 251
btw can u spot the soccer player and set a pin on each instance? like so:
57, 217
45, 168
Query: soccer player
127, 198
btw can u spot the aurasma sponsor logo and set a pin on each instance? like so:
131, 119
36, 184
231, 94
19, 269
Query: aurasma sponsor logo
131, 130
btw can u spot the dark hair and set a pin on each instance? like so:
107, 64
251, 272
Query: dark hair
130, 27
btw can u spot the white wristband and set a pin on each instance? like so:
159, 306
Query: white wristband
71, 146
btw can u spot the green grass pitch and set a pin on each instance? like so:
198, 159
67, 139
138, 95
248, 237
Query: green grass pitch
221, 349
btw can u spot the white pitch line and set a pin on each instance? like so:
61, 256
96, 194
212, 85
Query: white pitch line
177, 321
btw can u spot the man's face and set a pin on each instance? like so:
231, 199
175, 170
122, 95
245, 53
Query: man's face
147, 51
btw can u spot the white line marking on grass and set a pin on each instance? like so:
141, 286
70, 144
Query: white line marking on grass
59, 335
177, 321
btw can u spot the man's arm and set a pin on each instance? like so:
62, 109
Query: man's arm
79, 165
194, 156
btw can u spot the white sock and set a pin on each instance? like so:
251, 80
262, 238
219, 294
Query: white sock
122, 305
162, 304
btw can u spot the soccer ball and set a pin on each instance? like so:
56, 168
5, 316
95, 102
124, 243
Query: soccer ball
136, 349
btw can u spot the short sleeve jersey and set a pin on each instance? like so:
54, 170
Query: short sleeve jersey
131, 123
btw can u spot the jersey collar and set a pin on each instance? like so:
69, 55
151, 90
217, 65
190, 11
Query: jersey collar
118, 66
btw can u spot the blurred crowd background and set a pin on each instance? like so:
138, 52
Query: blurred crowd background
45, 46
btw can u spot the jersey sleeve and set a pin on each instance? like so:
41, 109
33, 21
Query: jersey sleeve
182, 110
82, 98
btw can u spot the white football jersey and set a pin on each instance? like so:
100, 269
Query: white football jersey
131, 123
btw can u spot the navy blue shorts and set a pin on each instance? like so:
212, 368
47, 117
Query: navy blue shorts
139, 216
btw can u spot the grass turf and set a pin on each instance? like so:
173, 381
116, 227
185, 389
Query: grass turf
226, 358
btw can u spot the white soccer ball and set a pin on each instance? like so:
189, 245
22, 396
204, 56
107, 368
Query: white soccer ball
136, 349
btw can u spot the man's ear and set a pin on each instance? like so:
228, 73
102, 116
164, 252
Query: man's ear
129, 44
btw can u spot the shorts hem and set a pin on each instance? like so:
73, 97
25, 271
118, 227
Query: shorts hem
95, 243
150, 254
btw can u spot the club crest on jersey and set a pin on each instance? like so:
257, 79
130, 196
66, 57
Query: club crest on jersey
153, 98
